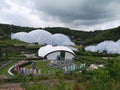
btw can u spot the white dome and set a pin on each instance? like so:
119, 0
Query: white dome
54, 51
110, 47
61, 39
22, 36
118, 42
113, 48
91, 48
103, 46
17, 35
41, 36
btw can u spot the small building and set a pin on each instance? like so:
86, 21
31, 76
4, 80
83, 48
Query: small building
56, 53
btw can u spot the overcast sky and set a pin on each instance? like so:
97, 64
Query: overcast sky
75, 14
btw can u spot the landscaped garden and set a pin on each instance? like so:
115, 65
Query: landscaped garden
106, 78
4, 70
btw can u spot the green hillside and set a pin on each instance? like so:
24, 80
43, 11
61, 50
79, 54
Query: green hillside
99, 36
79, 37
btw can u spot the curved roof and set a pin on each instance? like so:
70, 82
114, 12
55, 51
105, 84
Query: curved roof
42, 37
22, 36
17, 35
103, 45
43, 51
91, 48
118, 42
110, 47
113, 48
61, 39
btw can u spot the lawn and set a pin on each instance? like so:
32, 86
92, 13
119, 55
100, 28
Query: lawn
41, 64
11, 42
35, 46
91, 59
4, 71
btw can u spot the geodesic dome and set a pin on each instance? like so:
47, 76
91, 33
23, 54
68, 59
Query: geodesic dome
110, 47
113, 48
118, 42
41, 36
91, 48
61, 39
103, 46
22, 36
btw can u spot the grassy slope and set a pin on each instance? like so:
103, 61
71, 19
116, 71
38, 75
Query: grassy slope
4, 71
8, 42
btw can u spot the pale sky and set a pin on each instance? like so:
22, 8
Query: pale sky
87, 15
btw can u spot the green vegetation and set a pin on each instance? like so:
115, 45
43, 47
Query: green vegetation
59, 85
8, 42
35, 87
35, 46
79, 37
43, 65
107, 78
6, 30
14, 49
91, 59
4, 71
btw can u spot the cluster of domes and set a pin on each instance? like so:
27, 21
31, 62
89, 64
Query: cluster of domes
110, 47
42, 37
